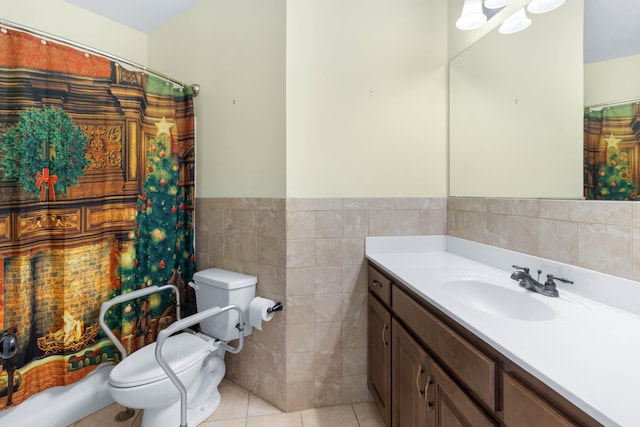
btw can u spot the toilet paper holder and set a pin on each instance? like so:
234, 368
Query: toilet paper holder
276, 307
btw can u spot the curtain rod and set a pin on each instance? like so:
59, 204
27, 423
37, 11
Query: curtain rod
611, 103
4, 23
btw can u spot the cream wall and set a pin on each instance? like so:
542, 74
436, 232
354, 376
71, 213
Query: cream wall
326, 94
235, 50
379, 98
73, 23
613, 80
366, 98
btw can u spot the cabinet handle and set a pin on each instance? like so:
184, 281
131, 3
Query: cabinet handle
384, 341
426, 393
376, 283
420, 372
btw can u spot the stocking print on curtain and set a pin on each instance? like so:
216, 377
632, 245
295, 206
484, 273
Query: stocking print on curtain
96, 199
611, 152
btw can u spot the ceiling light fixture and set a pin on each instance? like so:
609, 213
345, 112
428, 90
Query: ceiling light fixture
516, 22
543, 6
495, 4
472, 16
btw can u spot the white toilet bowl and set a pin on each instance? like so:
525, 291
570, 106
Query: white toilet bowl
139, 381
197, 360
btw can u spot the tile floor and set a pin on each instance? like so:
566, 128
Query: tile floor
240, 408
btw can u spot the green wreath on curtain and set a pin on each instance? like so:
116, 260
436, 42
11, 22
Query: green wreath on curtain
44, 152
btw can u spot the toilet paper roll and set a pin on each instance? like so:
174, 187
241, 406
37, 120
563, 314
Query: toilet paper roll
258, 311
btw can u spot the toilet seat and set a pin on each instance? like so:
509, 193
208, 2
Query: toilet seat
181, 351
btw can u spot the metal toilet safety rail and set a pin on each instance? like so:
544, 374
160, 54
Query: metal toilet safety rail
176, 326
128, 297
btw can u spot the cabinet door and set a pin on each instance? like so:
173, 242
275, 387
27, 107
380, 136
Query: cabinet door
450, 406
522, 407
379, 356
409, 379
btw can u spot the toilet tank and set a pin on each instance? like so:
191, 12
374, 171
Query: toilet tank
218, 287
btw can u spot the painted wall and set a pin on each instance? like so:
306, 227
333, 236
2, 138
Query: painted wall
73, 23
613, 80
365, 89
236, 52
366, 98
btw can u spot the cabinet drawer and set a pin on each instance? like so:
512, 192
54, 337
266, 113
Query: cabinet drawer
524, 408
469, 365
380, 285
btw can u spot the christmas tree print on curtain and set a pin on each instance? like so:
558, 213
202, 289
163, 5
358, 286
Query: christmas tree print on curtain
614, 179
162, 251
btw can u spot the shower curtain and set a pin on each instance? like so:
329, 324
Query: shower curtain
611, 152
96, 199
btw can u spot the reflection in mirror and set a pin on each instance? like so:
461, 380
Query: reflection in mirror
612, 92
516, 111
611, 152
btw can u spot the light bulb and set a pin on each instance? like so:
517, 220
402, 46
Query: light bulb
516, 22
542, 6
472, 16
495, 4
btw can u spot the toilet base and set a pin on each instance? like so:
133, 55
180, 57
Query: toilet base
202, 401
170, 416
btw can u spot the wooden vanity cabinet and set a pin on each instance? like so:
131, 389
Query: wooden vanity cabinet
422, 394
379, 355
471, 367
425, 369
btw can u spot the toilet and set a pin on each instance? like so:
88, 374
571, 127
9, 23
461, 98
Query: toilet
197, 359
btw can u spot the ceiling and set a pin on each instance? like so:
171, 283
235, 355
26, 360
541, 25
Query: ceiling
611, 29
142, 15
611, 26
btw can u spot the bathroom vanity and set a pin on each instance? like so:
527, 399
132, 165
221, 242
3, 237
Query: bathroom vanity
452, 340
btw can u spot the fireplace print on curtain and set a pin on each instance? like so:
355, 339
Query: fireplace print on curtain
96, 199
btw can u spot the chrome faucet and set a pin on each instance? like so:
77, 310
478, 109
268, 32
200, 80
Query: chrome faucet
526, 281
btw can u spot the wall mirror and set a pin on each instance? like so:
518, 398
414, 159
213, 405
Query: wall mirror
516, 106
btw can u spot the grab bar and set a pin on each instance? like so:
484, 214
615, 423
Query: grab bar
127, 297
183, 324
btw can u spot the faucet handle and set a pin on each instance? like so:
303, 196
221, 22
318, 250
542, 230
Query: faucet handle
525, 269
551, 277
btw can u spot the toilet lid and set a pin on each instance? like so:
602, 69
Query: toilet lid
180, 351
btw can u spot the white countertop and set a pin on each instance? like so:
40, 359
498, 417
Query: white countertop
589, 352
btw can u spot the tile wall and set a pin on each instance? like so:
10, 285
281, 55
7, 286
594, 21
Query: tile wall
248, 236
308, 253
597, 235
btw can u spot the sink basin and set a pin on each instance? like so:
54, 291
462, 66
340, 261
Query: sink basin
498, 300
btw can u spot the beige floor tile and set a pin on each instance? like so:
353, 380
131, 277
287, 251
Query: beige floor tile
368, 415
242, 409
293, 419
240, 422
138, 420
342, 416
106, 418
259, 406
234, 404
